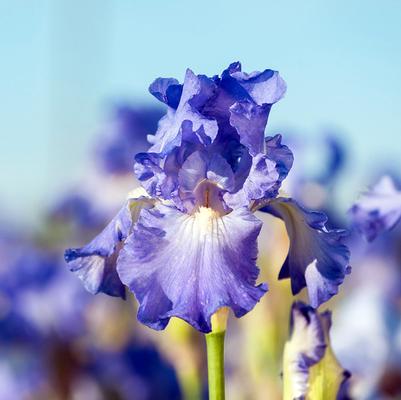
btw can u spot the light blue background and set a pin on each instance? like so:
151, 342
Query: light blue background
64, 61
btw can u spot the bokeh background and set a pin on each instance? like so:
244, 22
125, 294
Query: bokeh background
65, 67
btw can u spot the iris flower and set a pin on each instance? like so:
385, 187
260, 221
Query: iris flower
310, 368
186, 245
378, 210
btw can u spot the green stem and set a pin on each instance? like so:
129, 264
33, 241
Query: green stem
215, 364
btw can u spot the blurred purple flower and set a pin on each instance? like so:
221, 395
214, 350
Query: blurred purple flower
125, 136
188, 247
35, 295
378, 210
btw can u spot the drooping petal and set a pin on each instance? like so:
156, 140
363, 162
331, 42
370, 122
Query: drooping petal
317, 258
188, 266
310, 368
378, 210
94, 263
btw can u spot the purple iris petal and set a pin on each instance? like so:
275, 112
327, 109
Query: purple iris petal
188, 266
196, 90
261, 183
236, 105
95, 263
249, 119
280, 154
167, 90
378, 210
317, 258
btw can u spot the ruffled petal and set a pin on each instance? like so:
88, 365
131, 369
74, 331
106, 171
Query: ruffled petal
95, 263
249, 120
378, 210
317, 258
261, 183
196, 90
280, 154
265, 87
167, 90
188, 266
309, 365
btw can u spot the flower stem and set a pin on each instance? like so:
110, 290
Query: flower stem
215, 354
215, 364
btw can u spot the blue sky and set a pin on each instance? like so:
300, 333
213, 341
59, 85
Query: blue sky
65, 61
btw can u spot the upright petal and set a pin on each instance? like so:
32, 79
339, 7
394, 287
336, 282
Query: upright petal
94, 263
167, 90
196, 90
188, 266
265, 87
250, 119
378, 210
317, 258
261, 183
280, 154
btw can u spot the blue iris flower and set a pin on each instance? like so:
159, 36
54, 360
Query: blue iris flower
186, 245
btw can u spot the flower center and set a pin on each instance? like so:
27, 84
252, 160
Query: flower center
210, 196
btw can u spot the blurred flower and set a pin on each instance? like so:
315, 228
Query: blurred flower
187, 246
36, 293
378, 210
136, 369
310, 368
125, 136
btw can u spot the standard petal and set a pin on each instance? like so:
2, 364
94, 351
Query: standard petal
94, 263
167, 90
188, 266
196, 90
261, 183
378, 210
317, 258
265, 87
280, 154
249, 119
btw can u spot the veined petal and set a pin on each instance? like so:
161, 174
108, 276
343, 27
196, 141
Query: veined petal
310, 369
317, 258
250, 119
188, 266
378, 210
94, 263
